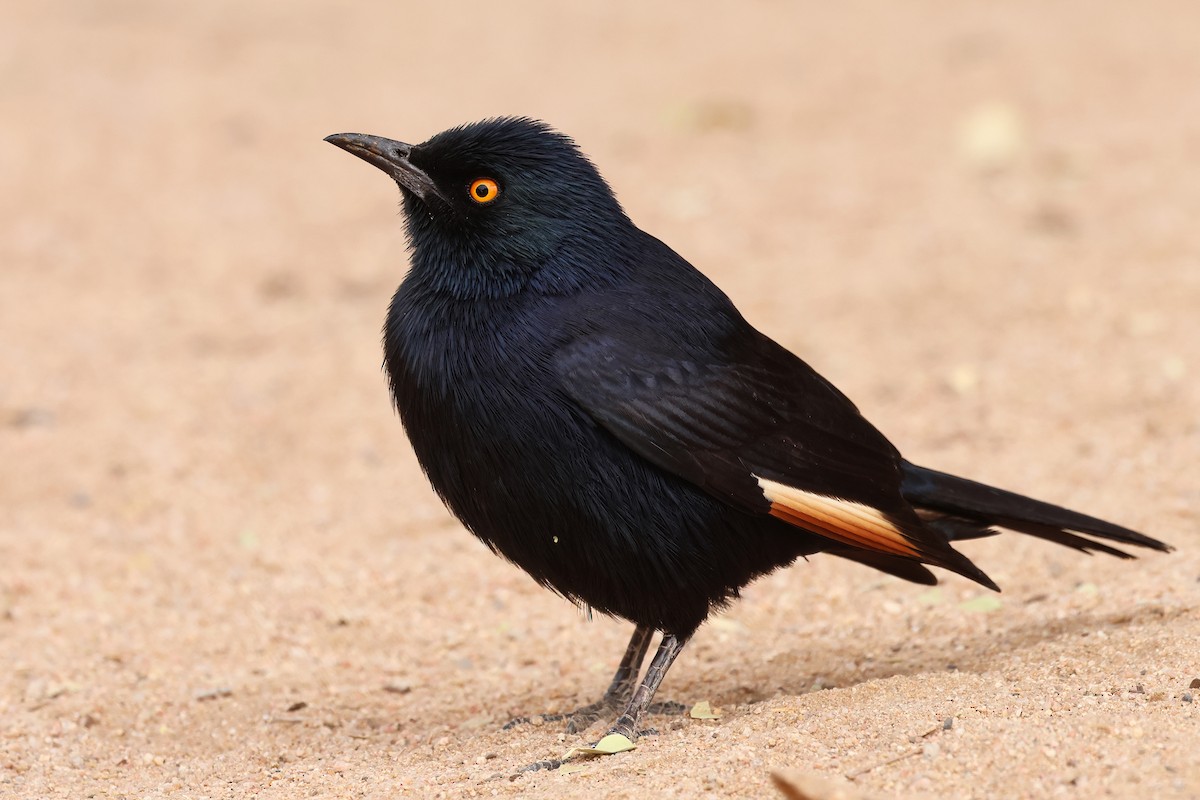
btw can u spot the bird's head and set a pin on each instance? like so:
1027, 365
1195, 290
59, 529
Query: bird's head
493, 206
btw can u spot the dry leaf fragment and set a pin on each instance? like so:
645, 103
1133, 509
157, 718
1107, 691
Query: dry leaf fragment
704, 710
963, 379
569, 768
795, 786
727, 624
933, 597
610, 745
982, 604
991, 136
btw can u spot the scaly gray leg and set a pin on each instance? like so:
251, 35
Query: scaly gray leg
617, 694
640, 704
631, 719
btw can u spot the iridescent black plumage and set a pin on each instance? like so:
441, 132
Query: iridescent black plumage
598, 412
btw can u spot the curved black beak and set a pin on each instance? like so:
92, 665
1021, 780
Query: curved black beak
391, 157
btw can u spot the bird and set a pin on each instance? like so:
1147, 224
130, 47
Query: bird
599, 413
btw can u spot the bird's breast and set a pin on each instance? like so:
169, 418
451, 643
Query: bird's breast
474, 389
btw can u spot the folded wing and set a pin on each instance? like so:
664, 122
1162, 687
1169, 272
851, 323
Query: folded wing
757, 427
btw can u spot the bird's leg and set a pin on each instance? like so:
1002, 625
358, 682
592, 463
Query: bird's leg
621, 688
629, 721
618, 692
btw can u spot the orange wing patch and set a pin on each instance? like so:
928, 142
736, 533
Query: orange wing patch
841, 520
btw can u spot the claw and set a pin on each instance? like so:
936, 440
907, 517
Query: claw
584, 717
515, 721
621, 693
625, 726
548, 764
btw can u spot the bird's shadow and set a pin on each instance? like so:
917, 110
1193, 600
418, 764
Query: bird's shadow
846, 664
817, 663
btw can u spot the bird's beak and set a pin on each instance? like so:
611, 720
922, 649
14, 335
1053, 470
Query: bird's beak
391, 157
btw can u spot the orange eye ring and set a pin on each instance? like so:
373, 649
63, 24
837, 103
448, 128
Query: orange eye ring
484, 190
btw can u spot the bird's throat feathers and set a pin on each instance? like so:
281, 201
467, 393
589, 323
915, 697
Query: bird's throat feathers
473, 263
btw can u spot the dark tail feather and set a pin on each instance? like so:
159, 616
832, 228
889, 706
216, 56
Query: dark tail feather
957, 530
901, 567
973, 507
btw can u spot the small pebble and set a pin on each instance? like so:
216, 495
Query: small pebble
31, 418
1195, 684
1187, 697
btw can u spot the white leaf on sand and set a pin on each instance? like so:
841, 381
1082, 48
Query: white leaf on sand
704, 710
569, 768
933, 597
991, 136
963, 379
609, 745
981, 604
727, 624
1173, 368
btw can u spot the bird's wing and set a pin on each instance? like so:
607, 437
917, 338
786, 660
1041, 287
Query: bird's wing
755, 426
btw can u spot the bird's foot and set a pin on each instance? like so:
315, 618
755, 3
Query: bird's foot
581, 718
548, 764
667, 708
625, 726
584, 717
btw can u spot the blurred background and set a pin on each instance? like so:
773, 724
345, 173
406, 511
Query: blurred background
978, 219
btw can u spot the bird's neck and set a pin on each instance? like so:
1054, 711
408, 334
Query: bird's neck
447, 269
455, 269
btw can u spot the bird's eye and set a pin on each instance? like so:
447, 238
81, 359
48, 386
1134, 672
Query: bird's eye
484, 190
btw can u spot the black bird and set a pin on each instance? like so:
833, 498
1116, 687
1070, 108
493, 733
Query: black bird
597, 411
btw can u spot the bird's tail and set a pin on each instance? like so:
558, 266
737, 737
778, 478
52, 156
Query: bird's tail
964, 509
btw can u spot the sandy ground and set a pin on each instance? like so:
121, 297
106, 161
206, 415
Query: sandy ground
222, 574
